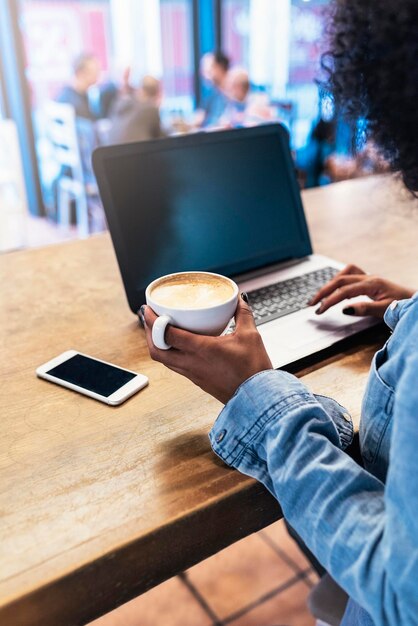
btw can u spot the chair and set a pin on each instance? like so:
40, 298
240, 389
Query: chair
13, 201
73, 141
327, 601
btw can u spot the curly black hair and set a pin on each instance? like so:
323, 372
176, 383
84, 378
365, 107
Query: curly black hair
372, 72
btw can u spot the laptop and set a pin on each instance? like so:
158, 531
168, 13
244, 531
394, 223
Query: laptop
225, 202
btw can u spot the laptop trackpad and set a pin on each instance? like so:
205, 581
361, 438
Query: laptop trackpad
305, 328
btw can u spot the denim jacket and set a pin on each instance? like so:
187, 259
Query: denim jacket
361, 524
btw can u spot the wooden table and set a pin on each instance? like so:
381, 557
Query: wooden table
99, 504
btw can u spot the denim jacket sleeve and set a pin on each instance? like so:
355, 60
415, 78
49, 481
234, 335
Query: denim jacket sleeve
341, 418
366, 536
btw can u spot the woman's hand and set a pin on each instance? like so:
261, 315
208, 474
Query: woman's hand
352, 282
219, 365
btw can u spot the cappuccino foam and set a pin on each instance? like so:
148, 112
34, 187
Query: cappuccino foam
192, 291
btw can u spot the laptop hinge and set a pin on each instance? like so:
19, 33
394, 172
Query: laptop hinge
268, 269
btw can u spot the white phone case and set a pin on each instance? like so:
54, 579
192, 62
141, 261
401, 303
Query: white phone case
120, 395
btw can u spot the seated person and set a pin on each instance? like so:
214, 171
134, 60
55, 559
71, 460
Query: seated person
311, 158
214, 68
109, 91
237, 90
136, 116
244, 108
365, 162
86, 73
360, 522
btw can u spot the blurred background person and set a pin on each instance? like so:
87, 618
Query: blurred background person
244, 108
214, 69
312, 157
238, 86
237, 90
136, 116
332, 154
365, 162
86, 74
105, 94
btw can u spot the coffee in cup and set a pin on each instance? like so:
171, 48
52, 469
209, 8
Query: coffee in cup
192, 291
201, 302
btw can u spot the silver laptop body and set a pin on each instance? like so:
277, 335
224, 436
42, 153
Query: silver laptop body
303, 333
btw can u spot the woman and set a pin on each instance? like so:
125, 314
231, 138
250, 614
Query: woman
361, 523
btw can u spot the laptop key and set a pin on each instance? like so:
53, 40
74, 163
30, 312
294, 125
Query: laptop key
276, 315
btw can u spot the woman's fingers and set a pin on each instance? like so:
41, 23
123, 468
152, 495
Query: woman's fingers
244, 319
362, 288
186, 342
353, 269
368, 308
336, 283
149, 315
180, 340
348, 270
171, 358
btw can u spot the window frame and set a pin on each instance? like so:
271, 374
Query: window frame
14, 90
16, 99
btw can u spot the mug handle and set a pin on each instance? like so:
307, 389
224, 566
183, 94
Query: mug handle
158, 332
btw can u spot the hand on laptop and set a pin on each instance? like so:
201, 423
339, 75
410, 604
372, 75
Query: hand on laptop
219, 365
352, 282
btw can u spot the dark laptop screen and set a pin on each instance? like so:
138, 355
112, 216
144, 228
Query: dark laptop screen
225, 202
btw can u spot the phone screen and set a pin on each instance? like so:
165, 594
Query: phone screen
92, 375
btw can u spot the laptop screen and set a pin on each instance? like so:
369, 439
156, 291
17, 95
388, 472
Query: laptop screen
225, 202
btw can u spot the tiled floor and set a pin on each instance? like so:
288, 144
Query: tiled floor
263, 580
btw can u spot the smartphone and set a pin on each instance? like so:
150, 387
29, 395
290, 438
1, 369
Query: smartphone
92, 377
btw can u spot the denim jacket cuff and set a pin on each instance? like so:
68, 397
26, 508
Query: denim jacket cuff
263, 397
260, 399
341, 418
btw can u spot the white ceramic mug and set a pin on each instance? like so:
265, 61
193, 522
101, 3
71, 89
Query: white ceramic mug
205, 321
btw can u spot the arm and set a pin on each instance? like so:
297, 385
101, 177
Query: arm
275, 430
365, 536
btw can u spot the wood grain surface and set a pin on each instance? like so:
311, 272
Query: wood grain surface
98, 504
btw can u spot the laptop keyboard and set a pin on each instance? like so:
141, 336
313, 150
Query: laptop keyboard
288, 296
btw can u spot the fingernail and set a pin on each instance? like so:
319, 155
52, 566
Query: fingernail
350, 310
244, 296
318, 310
141, 312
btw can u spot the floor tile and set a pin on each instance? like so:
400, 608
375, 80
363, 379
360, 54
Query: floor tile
286, 609
169, 604
278, 535
239, 575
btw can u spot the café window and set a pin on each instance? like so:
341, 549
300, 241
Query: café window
129, 40
177, 55
280, 45
72, 27
2, 103
236, 30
